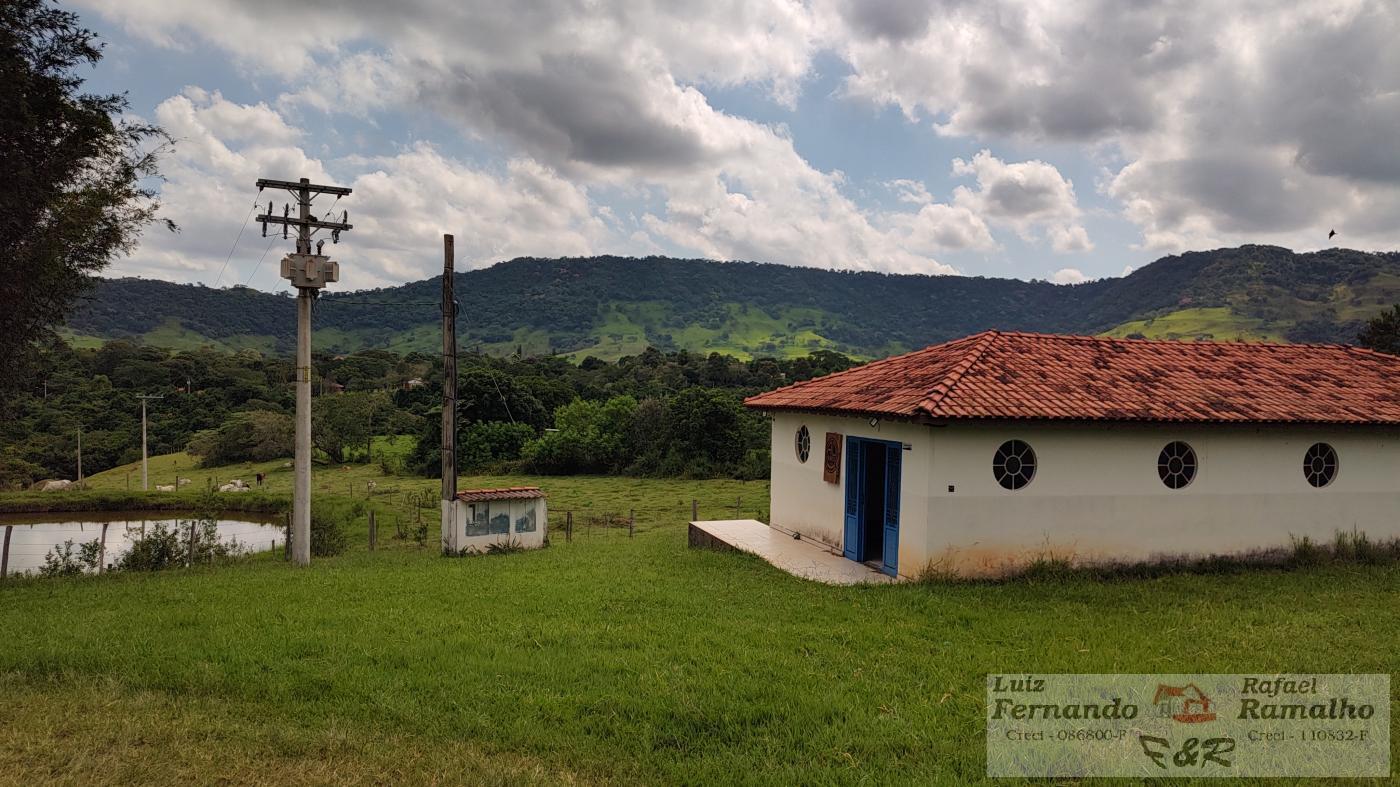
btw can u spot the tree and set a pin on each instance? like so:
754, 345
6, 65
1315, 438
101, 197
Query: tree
589, 437
1382, 334
74, 174
347, 421
705, 429
257, 436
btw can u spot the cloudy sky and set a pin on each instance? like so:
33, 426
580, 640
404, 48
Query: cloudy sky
1053, 139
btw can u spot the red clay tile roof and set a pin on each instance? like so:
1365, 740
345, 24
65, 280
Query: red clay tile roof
1004, 375
508, 493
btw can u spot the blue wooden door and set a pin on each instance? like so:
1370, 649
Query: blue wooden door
855, 499
894, 455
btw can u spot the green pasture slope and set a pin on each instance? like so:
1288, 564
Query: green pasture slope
605, 659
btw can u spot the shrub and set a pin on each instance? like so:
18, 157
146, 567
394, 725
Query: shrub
330, 525
155, 550
62, 562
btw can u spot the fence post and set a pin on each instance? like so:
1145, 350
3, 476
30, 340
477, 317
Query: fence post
694, 510
191, 558
568, 528
373, 531
631, 521
102, 550
5, 555
287, 538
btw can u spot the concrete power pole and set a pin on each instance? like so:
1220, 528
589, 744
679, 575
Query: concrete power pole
145, 476
307, 272
449, 398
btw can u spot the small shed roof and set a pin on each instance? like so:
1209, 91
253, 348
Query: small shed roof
506, 493
1002, 375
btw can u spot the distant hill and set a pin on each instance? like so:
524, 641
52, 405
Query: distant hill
613, 306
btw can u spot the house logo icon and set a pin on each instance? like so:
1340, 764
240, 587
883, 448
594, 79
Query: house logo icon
1186, 704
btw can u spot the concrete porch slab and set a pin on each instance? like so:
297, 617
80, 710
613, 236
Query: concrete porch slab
801, 558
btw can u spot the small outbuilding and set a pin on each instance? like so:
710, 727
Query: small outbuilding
982, 454
514, 516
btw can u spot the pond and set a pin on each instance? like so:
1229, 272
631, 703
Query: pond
32, 536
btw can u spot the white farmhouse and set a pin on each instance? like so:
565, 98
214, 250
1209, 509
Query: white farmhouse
984, 453
516, 516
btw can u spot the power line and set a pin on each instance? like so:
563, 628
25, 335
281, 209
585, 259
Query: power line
237, 237
343, 301
260, 261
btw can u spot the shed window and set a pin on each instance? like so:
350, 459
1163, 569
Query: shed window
804, 444
1014, 464
477, 520
1320, 464
1176, 465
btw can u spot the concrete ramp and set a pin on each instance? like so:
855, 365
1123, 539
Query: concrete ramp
802, 558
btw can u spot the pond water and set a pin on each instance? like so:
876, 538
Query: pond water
31, 536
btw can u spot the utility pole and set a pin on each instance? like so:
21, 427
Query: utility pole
80, 456
449, 398
145, 485
307, 272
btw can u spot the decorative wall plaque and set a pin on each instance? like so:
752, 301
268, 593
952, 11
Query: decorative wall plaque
831, 466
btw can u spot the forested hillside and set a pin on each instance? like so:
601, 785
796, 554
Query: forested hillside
612, 306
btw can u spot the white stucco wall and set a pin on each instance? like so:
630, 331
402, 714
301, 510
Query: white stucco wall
465, 536
1096, 494
802, 502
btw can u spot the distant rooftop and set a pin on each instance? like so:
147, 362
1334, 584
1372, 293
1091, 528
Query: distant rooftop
1010, 375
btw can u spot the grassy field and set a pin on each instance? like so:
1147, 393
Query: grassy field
604, 659
1220, 324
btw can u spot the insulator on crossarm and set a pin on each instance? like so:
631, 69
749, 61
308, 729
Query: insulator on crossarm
319, 245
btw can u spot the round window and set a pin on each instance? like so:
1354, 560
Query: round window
1176, 465
804, 444
1320, 464
1014, 464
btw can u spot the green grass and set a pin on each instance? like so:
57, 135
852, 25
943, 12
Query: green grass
1219, 323
174, 335
745, 332
601, 659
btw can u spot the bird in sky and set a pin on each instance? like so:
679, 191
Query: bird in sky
1331, 234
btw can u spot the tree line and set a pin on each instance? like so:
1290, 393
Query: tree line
654, 413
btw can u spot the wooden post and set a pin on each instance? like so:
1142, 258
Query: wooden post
694, 510
191, 557
287, 539
568, 528
102, 550
373, 531
631, 521
5, 554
